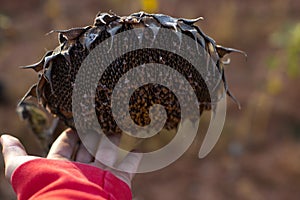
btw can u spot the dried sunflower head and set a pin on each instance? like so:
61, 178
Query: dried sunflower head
58, 68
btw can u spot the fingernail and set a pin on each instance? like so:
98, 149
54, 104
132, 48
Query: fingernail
3, 137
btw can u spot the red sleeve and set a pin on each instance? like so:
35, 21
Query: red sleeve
61, 180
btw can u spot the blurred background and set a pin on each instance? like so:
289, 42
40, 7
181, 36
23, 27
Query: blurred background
258, 154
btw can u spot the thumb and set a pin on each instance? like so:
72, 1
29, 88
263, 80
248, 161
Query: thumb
12, 149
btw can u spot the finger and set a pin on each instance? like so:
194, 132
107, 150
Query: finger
107, 152
64, 145
90, 144
83, 155
11, 147
130, 163
128, 167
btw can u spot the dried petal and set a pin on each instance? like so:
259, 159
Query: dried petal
222, 51
39, 65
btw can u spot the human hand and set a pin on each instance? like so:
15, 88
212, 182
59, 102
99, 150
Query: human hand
66, 147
